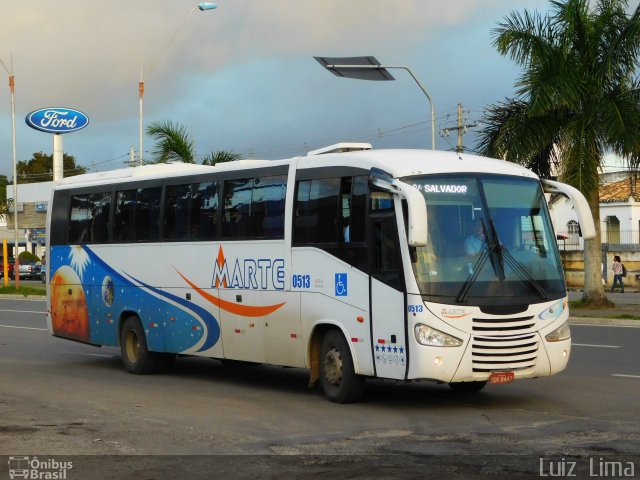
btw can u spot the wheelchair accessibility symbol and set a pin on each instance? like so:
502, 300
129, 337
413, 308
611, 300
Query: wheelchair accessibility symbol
341, 285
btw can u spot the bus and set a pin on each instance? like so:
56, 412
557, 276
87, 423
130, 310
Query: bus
350, 262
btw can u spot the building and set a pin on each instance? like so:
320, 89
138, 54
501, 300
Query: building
33, 202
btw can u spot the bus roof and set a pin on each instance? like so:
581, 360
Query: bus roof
398, 163
404, 163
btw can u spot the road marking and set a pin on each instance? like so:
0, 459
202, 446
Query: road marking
626, 376
597, 346
24, 328
24, 311
88, 354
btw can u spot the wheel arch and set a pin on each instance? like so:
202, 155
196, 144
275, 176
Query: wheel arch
123, 316
318, 331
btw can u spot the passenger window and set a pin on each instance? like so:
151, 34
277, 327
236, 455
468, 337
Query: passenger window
237, 203
204, 210
123, 225
100, 205
267, 207
79, 219
254, 208
176, 212
323, 210
147, 216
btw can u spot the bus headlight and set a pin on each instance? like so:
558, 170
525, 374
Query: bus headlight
554, 311
563, 332
434, 338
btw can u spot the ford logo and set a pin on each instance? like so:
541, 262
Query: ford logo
57, 120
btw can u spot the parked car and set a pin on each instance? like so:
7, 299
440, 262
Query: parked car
10, 266
29, 269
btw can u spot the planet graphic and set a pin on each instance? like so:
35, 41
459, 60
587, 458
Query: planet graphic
107, 291
69, 311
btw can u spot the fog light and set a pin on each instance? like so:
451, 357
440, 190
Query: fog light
437, 360
565, 353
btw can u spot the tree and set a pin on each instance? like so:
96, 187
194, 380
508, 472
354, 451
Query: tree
578, 98
220, 156
40, 168
174, 144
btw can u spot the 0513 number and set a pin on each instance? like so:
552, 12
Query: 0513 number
301, 281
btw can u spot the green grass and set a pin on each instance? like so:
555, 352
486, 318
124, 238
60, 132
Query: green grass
24, 291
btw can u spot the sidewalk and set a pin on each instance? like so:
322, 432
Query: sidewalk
627, 304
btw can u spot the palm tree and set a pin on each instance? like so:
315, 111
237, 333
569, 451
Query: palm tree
221, 156
174, 142
577, 99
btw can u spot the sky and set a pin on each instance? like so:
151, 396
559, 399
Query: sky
242, 77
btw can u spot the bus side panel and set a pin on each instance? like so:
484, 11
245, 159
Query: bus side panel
333, 292
90, 290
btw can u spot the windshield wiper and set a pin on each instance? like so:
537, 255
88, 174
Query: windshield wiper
473, 275
498, 255
522, 272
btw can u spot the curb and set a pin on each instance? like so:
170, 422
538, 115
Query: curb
15, 296
618, 322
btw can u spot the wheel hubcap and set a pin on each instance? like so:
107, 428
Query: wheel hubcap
333, 367
132, 346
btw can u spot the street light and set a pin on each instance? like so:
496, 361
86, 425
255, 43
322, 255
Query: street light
203, 7
368, 68
15, 171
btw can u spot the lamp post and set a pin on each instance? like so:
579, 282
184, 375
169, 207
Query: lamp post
203, 6
368, 68
15, 170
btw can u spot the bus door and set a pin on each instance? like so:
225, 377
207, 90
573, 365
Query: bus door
387, 297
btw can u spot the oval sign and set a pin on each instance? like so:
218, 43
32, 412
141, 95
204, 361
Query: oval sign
57, 120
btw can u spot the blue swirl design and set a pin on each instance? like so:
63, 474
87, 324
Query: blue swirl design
177, 336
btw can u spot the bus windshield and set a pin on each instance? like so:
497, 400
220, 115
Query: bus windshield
490, 243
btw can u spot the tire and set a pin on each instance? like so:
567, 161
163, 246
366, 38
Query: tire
338, 380
467, 387
137, 359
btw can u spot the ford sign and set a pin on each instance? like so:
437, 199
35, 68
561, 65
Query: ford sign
57, 120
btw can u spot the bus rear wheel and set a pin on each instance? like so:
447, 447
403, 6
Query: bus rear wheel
338, 379
136, 356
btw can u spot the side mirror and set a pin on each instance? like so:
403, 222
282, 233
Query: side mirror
585, 218
417, 207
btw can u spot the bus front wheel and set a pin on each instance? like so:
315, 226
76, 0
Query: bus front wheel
338, 379
136, 357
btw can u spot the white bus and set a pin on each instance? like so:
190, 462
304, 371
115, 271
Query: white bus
350, 262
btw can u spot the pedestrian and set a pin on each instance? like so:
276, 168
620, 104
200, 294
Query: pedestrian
617, 273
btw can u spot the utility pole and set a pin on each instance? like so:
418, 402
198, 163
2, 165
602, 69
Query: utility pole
461, 128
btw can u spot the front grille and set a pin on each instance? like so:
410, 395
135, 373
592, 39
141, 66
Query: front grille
504, 344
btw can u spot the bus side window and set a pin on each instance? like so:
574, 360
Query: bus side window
323, 210
79, 219
386, 265
204, 210
237, 203
147, 216
358, 219
124, 216
301, 213
100, 205
176, 218
267, 207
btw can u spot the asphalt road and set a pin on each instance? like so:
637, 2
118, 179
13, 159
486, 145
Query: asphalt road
60, 398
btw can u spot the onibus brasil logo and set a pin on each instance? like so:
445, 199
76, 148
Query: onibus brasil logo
35, 469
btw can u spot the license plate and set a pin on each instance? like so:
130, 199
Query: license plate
501, 377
